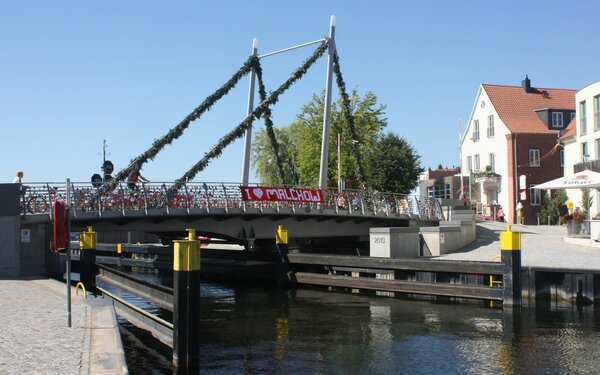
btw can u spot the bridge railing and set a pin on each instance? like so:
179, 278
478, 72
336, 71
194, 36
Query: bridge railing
100, 198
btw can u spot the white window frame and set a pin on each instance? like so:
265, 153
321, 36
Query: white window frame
475, 130
582, 118
439, 191
477, 163
534, 157
490, 130
597, 112
535, 196
557, 120
597, 144
492, 161
584, 151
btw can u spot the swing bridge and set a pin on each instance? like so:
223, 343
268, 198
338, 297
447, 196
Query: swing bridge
218, 209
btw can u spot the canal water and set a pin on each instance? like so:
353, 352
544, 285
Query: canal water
250, 329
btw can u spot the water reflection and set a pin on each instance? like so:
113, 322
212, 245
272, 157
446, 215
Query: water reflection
249, 330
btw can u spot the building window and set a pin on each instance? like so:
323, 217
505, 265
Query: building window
598, 149
597, 112
535, 196
584, 152
475, 130
439, 191
477, 163
562, 158
469, 163
490, 129
572, 116
492, 162
534, 158
582, 119
557, 119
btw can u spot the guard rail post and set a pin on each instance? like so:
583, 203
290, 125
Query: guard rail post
186, 303
87, 244
510, 249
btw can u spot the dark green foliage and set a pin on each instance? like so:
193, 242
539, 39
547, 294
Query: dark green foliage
394, 165
550, 207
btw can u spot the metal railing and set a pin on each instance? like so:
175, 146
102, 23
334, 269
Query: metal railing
165, 198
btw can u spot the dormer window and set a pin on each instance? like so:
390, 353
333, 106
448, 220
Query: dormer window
557, 120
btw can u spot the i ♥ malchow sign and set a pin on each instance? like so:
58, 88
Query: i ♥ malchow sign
259, 193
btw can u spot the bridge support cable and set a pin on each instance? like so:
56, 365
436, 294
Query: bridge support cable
269, 125
347, 112
238, 131
178, 130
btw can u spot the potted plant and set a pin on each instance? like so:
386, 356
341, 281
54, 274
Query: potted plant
573, 221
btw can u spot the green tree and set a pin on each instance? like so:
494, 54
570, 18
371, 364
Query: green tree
300, 142
550, 206
393, 165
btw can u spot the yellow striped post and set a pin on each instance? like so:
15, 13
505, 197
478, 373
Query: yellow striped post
281, 241
186, 302
87, 244
510, 246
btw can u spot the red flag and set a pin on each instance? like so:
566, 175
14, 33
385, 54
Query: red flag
60, 235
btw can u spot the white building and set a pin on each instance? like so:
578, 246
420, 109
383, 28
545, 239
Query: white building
513, 131
582, 141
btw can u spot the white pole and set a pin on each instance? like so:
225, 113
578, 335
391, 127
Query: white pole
248, 134
327, 111
339, 138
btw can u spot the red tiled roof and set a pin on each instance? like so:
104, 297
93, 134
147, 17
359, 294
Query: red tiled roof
440, 173
516, 108
569, 130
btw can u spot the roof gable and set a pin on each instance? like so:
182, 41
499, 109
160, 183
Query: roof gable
516, 108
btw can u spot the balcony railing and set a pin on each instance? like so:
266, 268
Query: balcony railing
592, 165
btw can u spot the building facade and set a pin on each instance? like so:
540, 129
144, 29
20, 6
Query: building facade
581, 142
511, 144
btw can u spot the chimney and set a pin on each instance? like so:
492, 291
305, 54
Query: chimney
526, 84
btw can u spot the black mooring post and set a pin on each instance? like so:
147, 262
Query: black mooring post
186, 303
510, 249
87, 274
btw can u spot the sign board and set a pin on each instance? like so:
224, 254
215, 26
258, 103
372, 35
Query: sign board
522, 181
25, 235
259, 193
524, 195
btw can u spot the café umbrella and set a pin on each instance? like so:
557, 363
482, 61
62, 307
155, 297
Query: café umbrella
579, 180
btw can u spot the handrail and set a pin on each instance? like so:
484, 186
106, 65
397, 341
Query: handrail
193, 196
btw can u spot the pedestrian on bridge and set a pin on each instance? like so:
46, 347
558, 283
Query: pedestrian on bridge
19, 178
134, 176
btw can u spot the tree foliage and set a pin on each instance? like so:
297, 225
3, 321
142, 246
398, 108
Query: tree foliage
302, 141
393, 165
550, 206
390, 161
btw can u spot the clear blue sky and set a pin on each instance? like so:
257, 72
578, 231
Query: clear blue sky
73, 73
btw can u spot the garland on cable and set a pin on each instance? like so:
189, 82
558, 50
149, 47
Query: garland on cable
269, 124
347, 112
177, 131
247, 122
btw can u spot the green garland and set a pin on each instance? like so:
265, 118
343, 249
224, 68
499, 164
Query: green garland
269, 124
177, 131
347, 111
257, 113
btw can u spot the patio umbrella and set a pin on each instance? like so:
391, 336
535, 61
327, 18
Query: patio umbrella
579, 180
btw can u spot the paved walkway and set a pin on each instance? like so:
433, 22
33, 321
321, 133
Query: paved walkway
35, 338
541, 246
